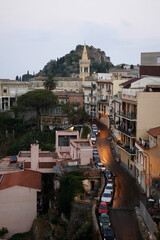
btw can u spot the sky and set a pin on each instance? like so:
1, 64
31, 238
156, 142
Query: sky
33, 32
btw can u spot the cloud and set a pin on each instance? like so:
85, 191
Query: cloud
35, 31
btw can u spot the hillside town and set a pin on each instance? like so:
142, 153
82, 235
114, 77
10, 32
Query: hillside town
106, 129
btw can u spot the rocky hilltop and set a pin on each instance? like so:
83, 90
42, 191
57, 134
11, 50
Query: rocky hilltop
69, 64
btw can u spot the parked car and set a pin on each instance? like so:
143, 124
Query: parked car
107, 197
13, 159
94, 129
110, 180
96, 159
108, 233
93, 137
104, 220
101, 166
95, 151
109, 188
108, 174
103, 208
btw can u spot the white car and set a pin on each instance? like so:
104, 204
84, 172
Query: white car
94, 129
109, 188
106, 197
93, 137
101, 166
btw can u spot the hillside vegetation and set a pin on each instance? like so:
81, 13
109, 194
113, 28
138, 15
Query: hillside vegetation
69, 64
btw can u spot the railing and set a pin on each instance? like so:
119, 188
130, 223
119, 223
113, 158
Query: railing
108, 90
128, 115
126, 148
103, 101
131, 91
143, 144
127, 132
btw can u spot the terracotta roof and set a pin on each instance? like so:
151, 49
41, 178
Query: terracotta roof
154, 131
26, 178
127, 83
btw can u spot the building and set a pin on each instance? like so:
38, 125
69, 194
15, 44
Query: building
36, 83
90, 95
147, 159
70, 84
9, 91
82, 151
56, 115
150, 64
18, 200
108, 89
139, 111
37, 160
63, 148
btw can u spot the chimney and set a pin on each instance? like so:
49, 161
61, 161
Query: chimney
34, 156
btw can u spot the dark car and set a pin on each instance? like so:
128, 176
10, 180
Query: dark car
96, 159
108, 233
13, 159
108, 174
104, 220
95, 152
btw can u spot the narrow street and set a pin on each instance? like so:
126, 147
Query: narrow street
127, 194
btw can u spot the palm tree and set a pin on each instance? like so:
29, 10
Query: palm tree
49, 83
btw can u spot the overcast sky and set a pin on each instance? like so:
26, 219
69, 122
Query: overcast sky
32, 32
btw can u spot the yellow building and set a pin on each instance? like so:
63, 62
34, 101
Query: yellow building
139, 111
147, 159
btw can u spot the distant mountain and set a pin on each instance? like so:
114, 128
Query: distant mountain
69, 64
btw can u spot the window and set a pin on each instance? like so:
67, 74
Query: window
158, 59
65, 140
86, 69
4, 90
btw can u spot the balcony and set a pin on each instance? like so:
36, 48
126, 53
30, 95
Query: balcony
131, 134
108, 91
142, 145
103, 101
131, 94
126, 148
129, 116
86, 86
92, 103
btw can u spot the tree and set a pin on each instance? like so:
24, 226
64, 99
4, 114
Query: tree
50, 83
70, 186
37, 100
3, 231
131, 67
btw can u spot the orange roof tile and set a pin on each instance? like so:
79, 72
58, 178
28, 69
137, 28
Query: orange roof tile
154, 131
26, 178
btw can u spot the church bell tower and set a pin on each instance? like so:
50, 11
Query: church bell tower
84, 65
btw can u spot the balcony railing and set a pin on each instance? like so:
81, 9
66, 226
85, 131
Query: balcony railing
142, 144
131, 134
126, 148
130, 116
103, 101
108, 90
